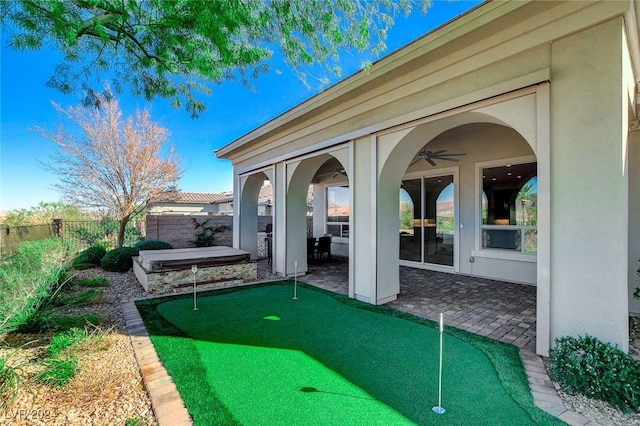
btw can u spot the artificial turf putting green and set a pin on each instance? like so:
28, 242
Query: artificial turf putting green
255, 356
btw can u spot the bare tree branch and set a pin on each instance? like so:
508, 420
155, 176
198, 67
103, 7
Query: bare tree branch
111, 163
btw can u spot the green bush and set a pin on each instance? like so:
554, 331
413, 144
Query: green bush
10, 382
58, 371
89, 258
153, 245
595, 369
119, 259
29, 279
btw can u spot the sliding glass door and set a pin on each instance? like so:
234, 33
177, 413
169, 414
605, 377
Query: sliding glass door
427, 220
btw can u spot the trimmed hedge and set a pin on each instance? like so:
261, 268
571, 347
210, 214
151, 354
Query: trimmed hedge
153, 245
89, 258
119, 259
595, 369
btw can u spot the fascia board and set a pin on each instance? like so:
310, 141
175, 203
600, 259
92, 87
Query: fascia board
465, 23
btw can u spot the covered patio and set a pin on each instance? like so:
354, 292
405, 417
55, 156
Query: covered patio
499, 310
471, 152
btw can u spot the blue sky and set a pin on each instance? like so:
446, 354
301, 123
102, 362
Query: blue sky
232, 111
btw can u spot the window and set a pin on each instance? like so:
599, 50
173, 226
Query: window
509, 207
338, 211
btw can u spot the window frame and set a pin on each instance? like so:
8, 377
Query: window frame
337, 238
495, 253
440, 171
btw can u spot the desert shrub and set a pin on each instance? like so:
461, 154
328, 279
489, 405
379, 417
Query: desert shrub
119, 259
88, 297
153, 245
595, 369
66, 322
29, 279
10, 382
93, 282
58, 370
74, 337
89, 258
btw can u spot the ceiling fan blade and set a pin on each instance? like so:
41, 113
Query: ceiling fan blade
334, 175
449, 155
438, 152
430, 161
414, 162
448, 159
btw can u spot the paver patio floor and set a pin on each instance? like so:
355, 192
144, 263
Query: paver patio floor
499, 310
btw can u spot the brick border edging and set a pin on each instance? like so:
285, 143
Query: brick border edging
168, 407
545, 394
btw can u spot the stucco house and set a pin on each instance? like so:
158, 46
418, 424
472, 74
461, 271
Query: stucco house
189, 203
205, 203
503, 144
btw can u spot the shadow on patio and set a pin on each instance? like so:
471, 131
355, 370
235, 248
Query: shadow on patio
499, 310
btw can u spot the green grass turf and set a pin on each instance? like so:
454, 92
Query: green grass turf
254, 356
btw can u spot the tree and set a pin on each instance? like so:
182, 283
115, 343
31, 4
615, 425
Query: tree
172, 49
527, 197
110, 163
44, 213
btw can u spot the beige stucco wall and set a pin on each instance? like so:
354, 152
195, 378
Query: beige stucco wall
634, 219
588, 205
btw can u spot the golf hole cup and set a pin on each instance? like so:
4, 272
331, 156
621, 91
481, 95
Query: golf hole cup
194, 271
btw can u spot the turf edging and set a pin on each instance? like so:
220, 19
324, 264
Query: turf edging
187, 372
504, 358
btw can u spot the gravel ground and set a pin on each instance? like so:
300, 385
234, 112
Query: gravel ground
109, 389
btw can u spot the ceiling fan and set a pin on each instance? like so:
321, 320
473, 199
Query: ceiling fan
431, 156
336, 172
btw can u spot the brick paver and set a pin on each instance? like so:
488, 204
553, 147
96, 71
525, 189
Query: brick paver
166, 402
499, 310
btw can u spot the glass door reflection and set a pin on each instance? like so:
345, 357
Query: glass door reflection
427, 220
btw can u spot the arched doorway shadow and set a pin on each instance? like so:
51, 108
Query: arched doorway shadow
248, 217
317, 205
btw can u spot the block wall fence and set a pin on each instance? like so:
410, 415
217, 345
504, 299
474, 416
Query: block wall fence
181, 230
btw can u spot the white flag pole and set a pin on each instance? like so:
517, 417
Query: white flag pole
295, 279
438, 408
194, 270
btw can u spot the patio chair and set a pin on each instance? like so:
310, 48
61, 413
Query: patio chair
323, 248
269, 244
311, 248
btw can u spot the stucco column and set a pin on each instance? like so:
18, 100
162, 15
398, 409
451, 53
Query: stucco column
363, 228
634, 219
279, 219
248, 213
589, 213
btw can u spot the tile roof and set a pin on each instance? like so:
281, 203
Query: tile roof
266, 194
191, 197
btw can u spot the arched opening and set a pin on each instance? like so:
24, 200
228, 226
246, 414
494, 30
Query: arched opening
444, 197
318, 212
256, 202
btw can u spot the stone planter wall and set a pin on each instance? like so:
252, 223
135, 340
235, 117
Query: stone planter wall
206, 278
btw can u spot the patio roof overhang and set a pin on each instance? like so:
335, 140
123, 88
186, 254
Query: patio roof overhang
447, 46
